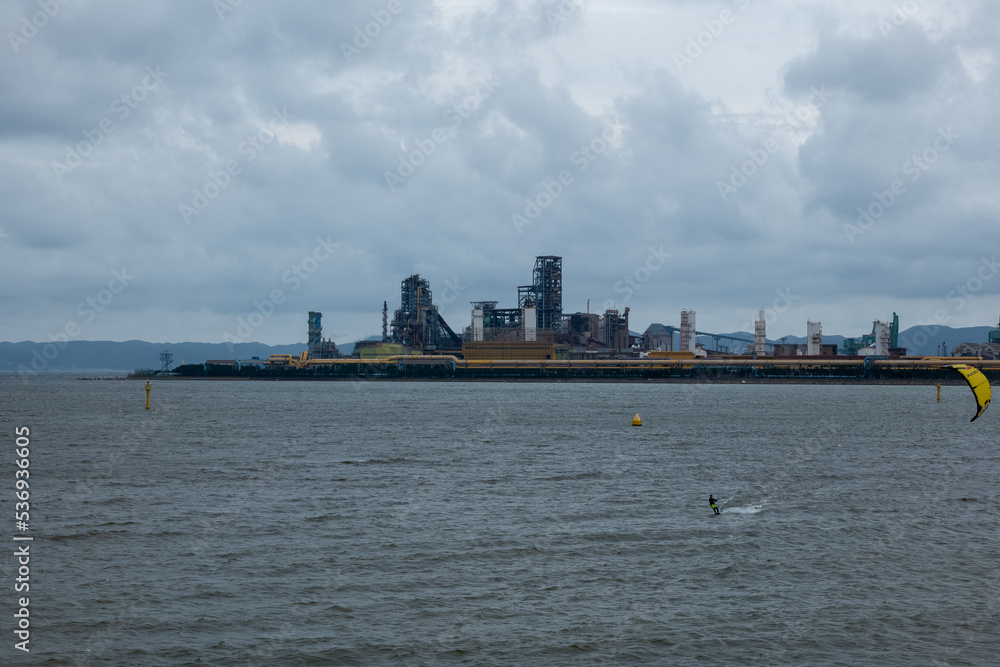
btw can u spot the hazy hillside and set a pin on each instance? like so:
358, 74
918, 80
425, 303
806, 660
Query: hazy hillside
922, 340
106, 355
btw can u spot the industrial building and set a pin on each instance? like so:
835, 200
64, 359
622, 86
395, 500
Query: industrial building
417, 323
538, 340
538, 329
805, 350
319, 347
658, 338
981, 350
988, 350
538, 316
882, 341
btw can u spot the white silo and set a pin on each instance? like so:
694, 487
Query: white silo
814, 338
882, 337
688, 335
760, 335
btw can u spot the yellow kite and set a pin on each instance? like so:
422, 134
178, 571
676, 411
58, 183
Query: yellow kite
978, 383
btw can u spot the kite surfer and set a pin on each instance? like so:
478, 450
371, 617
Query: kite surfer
711, 501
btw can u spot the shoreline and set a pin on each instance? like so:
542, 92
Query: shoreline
605, 380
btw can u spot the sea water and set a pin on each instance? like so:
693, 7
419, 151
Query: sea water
361, 523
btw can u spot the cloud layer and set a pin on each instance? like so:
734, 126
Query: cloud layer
242, 157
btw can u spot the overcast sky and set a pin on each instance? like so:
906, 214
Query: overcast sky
170, 168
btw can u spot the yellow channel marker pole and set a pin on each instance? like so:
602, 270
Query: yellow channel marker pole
939, 391
149, 388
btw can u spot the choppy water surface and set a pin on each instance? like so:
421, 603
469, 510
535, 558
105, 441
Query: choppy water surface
260, 523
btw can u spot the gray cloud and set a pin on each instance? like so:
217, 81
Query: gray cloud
494, 100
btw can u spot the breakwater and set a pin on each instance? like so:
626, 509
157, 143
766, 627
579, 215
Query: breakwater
866, 370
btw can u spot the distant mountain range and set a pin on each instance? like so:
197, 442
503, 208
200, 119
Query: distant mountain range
921, 340
85, 355
107, 356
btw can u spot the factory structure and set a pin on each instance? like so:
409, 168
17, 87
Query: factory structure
319, 348
535, 338
537, 328
988, 350
417, 324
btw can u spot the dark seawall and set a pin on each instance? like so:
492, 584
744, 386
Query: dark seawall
867, 372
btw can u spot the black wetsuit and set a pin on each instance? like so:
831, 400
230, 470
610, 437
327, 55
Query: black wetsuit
711, 502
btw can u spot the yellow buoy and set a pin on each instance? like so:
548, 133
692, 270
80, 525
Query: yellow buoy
148, 388
636, 421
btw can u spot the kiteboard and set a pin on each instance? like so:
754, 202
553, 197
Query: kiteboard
979, 385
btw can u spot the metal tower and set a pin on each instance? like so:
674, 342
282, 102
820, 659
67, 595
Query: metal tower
418, 323
315, 339
548, 292
409, 325
385, 321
